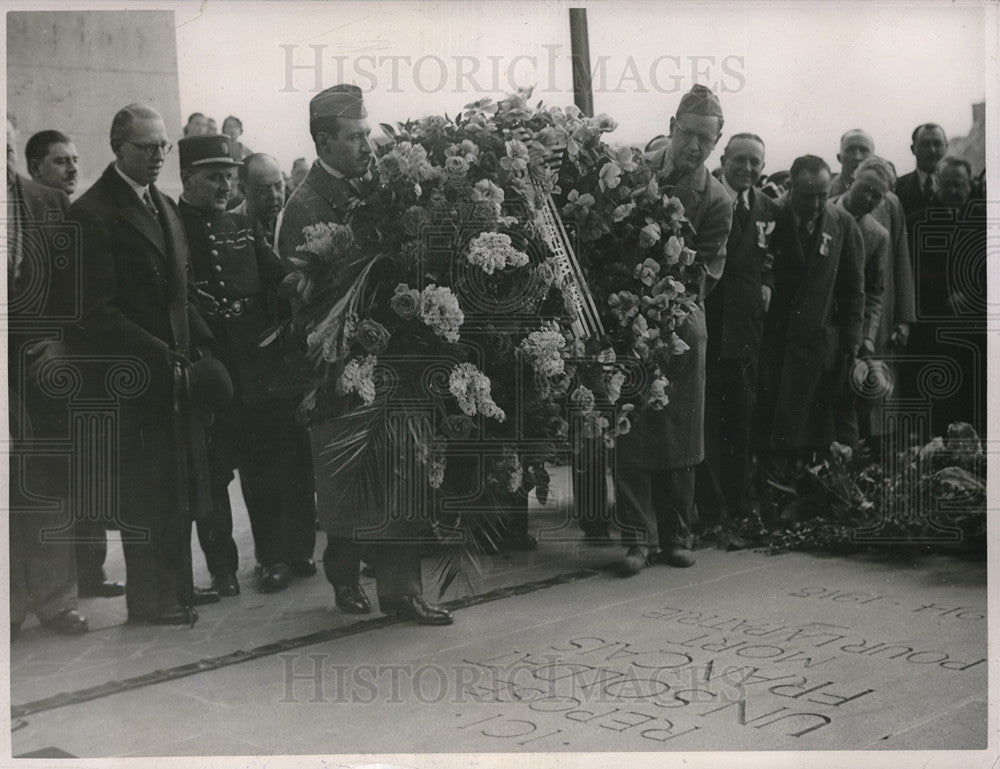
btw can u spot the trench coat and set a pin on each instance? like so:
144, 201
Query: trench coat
674, 437
814, 324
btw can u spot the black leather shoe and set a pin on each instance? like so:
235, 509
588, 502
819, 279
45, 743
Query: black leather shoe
352, 599
274, 578
302, 567
67, 622
104, 589
226, 585
203, 595
416, 608
367, 570
178, 615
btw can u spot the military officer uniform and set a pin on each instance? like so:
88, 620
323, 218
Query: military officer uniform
237, 277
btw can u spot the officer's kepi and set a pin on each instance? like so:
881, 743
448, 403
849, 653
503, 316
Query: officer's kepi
209, 149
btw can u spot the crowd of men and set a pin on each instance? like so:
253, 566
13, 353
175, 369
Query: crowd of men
821, 292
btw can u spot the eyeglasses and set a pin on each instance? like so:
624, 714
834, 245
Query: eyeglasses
152, 149
704, 140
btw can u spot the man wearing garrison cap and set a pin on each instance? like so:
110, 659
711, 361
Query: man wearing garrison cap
657, 459
346, 504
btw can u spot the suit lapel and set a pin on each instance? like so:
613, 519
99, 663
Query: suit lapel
131, 209
177, 257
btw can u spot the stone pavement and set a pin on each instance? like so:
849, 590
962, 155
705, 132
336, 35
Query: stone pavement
551, 652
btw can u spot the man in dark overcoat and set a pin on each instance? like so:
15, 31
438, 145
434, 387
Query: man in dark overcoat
134, 294
812, 333
734, 314
655, 473
341, 135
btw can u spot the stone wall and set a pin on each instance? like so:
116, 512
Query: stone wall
72, 70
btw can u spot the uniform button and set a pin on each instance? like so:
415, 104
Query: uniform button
214, 252
222, 284
211, 237
218, 268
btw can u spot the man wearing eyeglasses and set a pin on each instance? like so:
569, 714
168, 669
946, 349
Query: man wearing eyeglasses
134, 298
657, 459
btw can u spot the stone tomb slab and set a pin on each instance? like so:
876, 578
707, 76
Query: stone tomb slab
787, 653
741, 652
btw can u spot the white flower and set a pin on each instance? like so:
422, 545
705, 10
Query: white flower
327, 240
492, 251
439, 309
544, 349
358, 377
472, 390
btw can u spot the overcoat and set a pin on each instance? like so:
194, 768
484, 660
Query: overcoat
815, 321
674, 437
134, 293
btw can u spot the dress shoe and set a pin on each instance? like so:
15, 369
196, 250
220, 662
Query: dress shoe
203, 595
178, 615
67, 622
681, 557
105, 589
367, 570
226, 585
416, 608
351, 599
303, 567
636, 559
274, 578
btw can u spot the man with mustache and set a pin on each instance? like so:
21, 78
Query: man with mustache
53, 160
236, 275
341, 134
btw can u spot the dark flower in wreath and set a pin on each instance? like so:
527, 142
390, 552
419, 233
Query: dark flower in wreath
457, 427
559, 427
372, 335
499, 344
406, 301
560, 384
414, 220
456, 165
485, 212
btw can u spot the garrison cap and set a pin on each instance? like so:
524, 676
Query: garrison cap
338, 101
700, 101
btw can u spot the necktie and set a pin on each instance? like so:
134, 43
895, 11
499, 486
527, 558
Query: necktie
805, 234
148, 200
928, 187
742, 213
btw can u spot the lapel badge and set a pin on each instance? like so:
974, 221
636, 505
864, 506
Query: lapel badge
763, 230
824, 247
